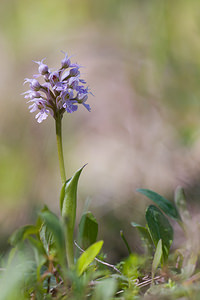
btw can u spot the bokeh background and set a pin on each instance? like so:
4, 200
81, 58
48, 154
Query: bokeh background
142, 62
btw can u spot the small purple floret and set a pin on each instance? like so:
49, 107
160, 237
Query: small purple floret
43, 69
65, 63
62, 90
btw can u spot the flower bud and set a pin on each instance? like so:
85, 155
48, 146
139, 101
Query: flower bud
65, 63
46, 76
35, 85
43, 69
73, 82
34, 94
74, 72
82, 97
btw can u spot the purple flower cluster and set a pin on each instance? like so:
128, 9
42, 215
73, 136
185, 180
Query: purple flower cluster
61, 91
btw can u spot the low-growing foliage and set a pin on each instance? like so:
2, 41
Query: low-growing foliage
39, 254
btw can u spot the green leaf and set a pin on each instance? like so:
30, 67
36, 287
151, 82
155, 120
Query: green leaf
125, 241
22, 233
46, 236
105, 289
180, 201
68, 212
68, 197
40, 254
159, 228
189, 264
14, 279
47, 239
11, 256
132, 266
157, 258
62, 194
167, 206
54, 226
36, 243
88, 230
39, 221
145, 236
88, 256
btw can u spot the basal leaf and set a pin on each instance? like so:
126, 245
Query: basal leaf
22, 233
180, 201
68, 198
159, 228
88, 256
157, 258
47, 238
39, 221
189, 264
145, 236
40, 254
68, 212
37, 244
105, 289
54, 226
88, 230
167, 206
62, 193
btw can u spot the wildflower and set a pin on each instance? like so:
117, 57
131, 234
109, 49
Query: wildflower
65, 63
62, 90
43, 69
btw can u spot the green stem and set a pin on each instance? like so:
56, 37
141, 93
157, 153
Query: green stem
69, 230
60, 148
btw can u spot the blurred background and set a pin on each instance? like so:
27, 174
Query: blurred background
142, 62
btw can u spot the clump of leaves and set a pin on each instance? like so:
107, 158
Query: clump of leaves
173, 274
36, 267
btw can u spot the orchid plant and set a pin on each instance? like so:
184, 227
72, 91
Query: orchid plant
42, 263
62, 91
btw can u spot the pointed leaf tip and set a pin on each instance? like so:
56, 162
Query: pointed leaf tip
69, 192
164, 204
157, 257
88, 256
88, 230
159, 228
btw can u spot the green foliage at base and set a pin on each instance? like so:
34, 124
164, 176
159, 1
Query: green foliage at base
36, 267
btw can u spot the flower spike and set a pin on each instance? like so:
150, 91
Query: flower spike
61, 91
